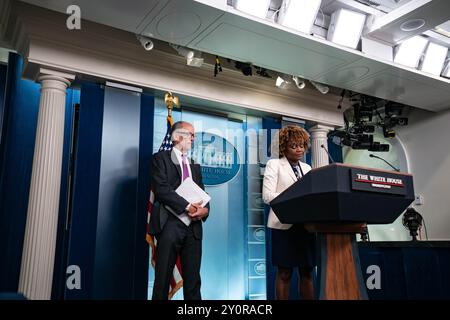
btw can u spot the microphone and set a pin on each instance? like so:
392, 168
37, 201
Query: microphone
374, 156
329, 155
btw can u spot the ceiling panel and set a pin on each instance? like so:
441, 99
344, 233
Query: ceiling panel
180, 21
261, 50
245, 40
346, 75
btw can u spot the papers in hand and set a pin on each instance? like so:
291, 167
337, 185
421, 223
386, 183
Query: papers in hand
192, 193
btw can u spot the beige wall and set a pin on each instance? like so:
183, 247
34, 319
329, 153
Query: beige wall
427, 144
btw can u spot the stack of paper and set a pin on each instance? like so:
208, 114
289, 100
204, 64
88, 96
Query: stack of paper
192, 193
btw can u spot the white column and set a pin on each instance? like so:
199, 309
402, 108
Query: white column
319, 137
38, 255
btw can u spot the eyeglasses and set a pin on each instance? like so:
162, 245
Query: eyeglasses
295, 146
187, 134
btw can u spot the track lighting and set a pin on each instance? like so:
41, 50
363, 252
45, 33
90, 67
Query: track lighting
190, 55
300, 83
147, 43
282, 81
320, 87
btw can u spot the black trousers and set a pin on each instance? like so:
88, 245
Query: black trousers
177, 238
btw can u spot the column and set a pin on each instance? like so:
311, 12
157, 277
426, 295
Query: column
38, 255
319, 138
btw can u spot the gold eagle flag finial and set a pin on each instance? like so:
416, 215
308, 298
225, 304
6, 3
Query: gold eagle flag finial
171, 100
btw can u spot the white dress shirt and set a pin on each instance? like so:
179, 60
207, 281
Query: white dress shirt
178, 154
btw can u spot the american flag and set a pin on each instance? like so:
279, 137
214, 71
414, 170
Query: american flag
176, 282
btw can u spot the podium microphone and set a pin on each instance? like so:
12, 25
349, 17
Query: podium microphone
374, 156
329, 155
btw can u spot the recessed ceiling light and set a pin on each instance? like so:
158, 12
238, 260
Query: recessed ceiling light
434, 59
410, 51
299, 15
254, 8
346, 27
443, 32
412, 25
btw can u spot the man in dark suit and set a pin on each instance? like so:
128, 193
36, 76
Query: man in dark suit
176, 223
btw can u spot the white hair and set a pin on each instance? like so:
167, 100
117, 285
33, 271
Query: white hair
175, 137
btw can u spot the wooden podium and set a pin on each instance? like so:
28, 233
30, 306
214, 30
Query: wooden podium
337, 202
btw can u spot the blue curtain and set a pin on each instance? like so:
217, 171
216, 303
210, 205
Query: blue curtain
83, 222
18, 132
62, 239
111, 185
3, 70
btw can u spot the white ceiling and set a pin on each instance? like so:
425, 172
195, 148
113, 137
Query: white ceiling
381, 5
445, 26
226, 32
430, 13
385, 5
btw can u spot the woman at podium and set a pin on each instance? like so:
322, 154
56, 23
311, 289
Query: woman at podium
292, 246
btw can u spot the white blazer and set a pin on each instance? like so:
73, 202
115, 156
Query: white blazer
279, 176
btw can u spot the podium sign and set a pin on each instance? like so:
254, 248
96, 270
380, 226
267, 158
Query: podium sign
384, 182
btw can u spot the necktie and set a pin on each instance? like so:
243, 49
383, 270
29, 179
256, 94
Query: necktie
297, 173
185, 167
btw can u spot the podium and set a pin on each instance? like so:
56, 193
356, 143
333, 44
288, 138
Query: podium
337, 201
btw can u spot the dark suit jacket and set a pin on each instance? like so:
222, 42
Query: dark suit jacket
166, 178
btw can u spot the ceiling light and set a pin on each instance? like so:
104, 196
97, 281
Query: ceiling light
346, 27
300, 83
282, 82
434, 59
256, 8
442, 31
182, 51
190, 55
446, 72
410, 51
299, 15
147, 43
195, 62
412, 25
320, 87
